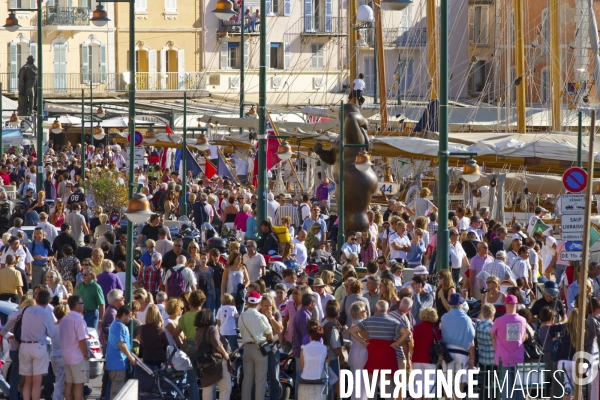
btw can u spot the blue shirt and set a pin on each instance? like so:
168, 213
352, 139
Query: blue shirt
308, 222
251, 228
415, 255
116, 360
146, 258
38, 249
457, 328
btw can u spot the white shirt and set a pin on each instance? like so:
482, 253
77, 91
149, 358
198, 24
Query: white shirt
300, 252
122, 277
50, 230
325, 297
13, 232
484, 200
359, 84
463, 224
511, 256
253, 265
188, 276
60, 291
548, 252
23, 254
421, 206
272, 206
531, 224
457, 254
478, 232
227, 316
400, 241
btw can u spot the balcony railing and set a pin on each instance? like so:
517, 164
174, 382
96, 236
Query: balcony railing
413, 37
66, 16
323, 25
390, 36
113, 82
234, 27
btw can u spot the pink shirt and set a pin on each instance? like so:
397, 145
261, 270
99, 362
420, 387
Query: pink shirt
510, 332
72, 328
289, 310
240, 220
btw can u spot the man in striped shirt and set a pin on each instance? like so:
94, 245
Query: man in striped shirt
287, 210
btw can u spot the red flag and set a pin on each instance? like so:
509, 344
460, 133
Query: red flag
272, 147
163, 159
168, 130
209, 169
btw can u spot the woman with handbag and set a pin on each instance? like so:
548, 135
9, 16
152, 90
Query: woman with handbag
425, 334
268, 309
314, 380
217, 372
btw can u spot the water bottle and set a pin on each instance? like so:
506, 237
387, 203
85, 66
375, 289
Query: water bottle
326, 388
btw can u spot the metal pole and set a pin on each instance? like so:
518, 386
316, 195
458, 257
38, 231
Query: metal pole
129, 255
262, 113
1, 122
242, 65
82, 135
91, 112
40, 101
583, 269
375, 79
340, 201
579, 137
520, 64
443, 154
184, 157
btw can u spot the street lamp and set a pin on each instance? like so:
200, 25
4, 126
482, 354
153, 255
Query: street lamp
14, 121
284, 152
56, 126
363, 161
12, 22
99, 132
100, 112
138, 209
471, 171
150, 135
252, 112
225, 10
202, 142
99, 18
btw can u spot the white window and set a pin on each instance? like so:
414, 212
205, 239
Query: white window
141, 5
93, 62
478, 77
275, 7
23, 4
369, 71
545, 31
318, 57
170, 6
18, 51
60, 66
478, 24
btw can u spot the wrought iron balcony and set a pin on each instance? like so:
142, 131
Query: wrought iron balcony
367, 37
66, 16
413, 37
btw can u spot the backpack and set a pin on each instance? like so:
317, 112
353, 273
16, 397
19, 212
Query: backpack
176, 283
46, 244
300, 207
18, 326
205, 356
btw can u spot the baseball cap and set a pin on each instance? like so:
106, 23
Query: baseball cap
13, 239
420, 270
254, 298
511, 299
540, 209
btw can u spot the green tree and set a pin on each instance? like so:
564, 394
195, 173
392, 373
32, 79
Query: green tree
104, 188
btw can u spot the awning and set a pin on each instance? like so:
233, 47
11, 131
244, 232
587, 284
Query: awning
12, 137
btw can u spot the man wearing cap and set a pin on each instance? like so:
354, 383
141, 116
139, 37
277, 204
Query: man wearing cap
22, 256
421, 271
459, 334
497, 268
319, 288
11, 281
256, 329
254, 261
269, 241
540, 212
550, 297
287, 210
509, 333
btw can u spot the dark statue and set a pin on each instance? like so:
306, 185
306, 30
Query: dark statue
359, 186
28, 76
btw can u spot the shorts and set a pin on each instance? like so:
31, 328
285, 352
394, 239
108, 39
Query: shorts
33, 359
78, 373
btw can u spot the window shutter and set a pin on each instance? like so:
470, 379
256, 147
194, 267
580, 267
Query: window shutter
246, 58
328, 16
51, 3
60, 67
163, 68
151, 69
308, 15
181, 68
171, 5
102, 50
13, 4
269, 11
33, 51
471, 24
268, 60
14, 68
287, 56
224, 54
33, 4
485, 14
85, 3
85, 67
287, 8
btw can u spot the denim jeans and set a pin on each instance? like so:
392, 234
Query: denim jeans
298, 373
15, 378
217, 298
456, 276
192, 378
335, 367
58, 366
209, 304
232, 341
91, 319
559, 270
4, 386
507, 390
273, 376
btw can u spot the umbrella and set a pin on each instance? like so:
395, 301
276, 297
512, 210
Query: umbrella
123, 122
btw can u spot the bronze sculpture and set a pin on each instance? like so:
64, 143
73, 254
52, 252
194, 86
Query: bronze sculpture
359, 186
28, 76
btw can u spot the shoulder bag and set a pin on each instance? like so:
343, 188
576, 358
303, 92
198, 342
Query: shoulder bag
438, 352
190, 349
264, 347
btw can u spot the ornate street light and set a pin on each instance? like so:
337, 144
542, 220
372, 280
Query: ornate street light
150, 136
284, 152
14, 121
138, 210
202, 142
56, 126
99, 132
12, 22
471, 171
363, 161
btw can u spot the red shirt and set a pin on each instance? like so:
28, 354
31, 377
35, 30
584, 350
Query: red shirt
5, 178
423, 337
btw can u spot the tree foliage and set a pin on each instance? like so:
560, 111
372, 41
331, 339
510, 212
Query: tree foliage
104, 188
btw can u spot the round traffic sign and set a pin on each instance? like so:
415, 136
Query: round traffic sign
139, 138
575, 179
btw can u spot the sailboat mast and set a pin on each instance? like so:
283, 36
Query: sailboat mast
351, 15
555, 64
520, 64
432, 51
381, 66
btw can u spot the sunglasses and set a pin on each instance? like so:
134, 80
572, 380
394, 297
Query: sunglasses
177, 245
50, 277
85, 265
380, 262
80, 302
86, 275
137, 297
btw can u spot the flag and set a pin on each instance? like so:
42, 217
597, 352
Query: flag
163, 159
539, 226
272, 147
209, 169
192, 164
168, 130
594, 235
178, 154
223, 169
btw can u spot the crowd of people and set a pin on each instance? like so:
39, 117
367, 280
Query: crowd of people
497, 303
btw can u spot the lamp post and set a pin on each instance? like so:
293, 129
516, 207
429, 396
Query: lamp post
184, 157
100, 18
362, 163
12, 25
83, 134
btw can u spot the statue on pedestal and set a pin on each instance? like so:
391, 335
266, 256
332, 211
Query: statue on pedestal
28, 76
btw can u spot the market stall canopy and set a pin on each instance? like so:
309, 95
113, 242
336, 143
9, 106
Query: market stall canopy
8, 106
123, 123
253, 123
12, 137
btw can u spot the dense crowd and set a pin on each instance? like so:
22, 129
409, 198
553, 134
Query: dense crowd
504, 298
